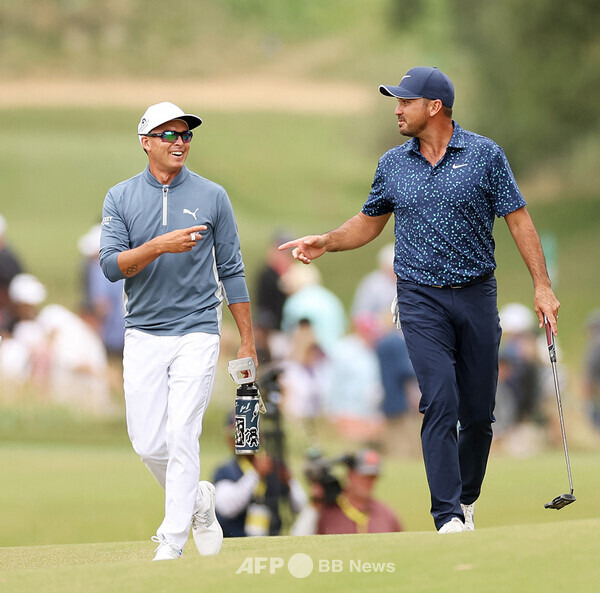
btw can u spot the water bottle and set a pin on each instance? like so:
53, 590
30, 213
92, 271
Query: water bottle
247, 406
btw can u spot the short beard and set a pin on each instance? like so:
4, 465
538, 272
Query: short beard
414, 130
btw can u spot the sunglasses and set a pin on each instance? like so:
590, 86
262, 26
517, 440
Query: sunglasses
171, 136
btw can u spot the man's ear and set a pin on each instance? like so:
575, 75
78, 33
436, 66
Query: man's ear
435, 107
145, 143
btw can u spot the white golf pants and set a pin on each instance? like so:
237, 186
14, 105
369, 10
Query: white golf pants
168, 381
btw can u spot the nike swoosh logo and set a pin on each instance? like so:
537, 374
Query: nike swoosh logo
407, 76
459, 166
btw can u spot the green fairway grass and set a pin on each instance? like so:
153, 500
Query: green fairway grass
551, 558
69, 494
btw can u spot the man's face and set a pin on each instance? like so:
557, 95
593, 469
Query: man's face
167, 157
360, 485
413, 116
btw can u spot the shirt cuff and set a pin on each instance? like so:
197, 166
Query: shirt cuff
236, 290
111, 268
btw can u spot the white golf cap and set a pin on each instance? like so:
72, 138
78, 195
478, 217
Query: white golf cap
26, 289
89, 244
163, 112
516, 318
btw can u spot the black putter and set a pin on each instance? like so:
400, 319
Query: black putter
564, 499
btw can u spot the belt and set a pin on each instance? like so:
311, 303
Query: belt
472, 282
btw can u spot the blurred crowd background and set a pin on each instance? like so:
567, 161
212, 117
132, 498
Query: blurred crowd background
347, 368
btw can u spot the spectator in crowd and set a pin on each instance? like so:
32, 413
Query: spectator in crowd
103, 306
354, 395
76, 362
592, 368
309, 299
250, 490
304, 378
56, 350
400, 394
21, 355
352, 508
10, 266
525, 386
269, 300
519, 348
505, 411
101, 298
377, 290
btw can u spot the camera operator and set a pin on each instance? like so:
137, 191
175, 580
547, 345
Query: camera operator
250, 489
348, 509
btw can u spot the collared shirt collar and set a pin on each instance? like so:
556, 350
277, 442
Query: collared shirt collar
457, 140
180, 177
458, 137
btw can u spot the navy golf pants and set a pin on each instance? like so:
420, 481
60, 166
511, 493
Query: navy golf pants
453, 335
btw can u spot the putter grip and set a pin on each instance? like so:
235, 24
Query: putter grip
550, 340
549, 337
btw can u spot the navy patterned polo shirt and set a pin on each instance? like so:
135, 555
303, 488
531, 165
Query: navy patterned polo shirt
444, 214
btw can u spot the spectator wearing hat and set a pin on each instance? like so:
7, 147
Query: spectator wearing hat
102, 300
22, 353
519, 350
445, 187
356, 510
521, 417
172, 236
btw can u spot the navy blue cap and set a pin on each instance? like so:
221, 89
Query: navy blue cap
422, 82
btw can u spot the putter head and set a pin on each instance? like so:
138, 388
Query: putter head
560, 501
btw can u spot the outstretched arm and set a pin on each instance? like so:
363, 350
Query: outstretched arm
529, 245
355, 232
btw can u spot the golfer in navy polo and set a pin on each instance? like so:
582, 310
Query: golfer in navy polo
445, 187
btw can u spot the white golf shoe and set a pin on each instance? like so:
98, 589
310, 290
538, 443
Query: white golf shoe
206, 530
455, 525
165, 551
469, 512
